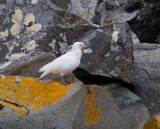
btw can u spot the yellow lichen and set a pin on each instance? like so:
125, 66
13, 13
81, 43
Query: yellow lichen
30, 45
29, 17
34, 1
16, 56
153, 123
115, 35
20, 111
16, 19
15, 29
30, 93
4, 34
93, 114
33, 29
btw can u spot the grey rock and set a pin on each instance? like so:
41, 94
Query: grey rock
146, 23
59, 116
112, 117
131, 105
135, 39
110, 52
83, 8
147, 77
41, 27
109, 11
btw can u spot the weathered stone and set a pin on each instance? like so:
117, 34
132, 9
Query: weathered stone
147, 77
83, 8
146, 23
98, 110
26, 102
34, 29
130, 104
153, 123
109, 11
29, 103
110, 52
135, 39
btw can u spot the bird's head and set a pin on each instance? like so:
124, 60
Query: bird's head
79, 45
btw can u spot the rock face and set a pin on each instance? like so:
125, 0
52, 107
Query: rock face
110, 52
112, 117
26, 32
147, 77
131, 105
146, 23
42, 105
109, 11
85, 8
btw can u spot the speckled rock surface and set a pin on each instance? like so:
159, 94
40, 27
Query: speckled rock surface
109, 11
110, 52
31, 26
82, 8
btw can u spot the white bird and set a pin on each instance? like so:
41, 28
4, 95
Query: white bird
66, 63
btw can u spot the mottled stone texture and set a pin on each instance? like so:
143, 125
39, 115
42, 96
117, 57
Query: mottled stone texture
110, 52
146, 23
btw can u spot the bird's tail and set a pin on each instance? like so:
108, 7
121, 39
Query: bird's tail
43, 75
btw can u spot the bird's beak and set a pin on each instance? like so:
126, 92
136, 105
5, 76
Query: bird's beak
84, 47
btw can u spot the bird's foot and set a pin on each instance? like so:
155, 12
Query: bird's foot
64, 81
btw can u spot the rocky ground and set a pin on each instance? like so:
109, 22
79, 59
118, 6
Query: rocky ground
117, 84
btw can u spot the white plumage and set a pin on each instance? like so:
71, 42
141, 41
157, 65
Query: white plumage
66, 63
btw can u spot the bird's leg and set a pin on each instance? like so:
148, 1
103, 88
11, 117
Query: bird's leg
64, 80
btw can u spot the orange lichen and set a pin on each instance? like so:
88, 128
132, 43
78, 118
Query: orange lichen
153, 123
29, 93
93, 114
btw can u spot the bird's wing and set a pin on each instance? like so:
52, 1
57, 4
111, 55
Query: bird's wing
57, 63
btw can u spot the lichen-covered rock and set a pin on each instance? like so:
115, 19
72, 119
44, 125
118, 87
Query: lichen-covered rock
98, 110
28, 27
29, 103
153, 123
110, 52
26, 102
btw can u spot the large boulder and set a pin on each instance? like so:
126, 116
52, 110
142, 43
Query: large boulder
110, 52
109, 11
34, 27
98, 110
147, 77
130, 104
28, 103
146, 23
84, 9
